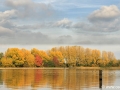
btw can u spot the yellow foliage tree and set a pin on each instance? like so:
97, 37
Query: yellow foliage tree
16, 55
56, 54
96, 56
105, 57
80, 56
29, 58
41, 53
88, 56
7, 62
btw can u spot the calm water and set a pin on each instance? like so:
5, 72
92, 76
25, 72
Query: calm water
57, 79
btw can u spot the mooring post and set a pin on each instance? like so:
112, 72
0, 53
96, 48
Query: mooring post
100, 78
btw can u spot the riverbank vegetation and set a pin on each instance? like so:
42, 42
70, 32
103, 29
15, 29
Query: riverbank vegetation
64, 56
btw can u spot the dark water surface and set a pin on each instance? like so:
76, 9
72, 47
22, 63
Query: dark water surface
58, 79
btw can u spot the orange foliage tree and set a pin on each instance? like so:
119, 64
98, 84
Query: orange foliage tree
38, 61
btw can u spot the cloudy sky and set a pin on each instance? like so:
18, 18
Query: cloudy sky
71, 22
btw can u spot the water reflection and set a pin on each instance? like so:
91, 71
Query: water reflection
55, 79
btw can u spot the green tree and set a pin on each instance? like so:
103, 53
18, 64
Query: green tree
1, 55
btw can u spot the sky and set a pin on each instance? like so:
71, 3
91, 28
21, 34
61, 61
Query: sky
95, 23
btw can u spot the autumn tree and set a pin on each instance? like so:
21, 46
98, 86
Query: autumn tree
73, 55
57, 54
111, 56
20, 57
68, 56
64, 53
88, 57
56, 62
96, 57
40, 53
29, 59
112, 60
105, 58
7, 62
38, 61
16, 55
80, 56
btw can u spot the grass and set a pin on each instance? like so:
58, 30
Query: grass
113, 68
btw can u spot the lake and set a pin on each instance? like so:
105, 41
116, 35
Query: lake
58, 79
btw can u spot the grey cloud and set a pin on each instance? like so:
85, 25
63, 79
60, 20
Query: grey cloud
26, 38
31, 38
34, 38
97, 27
65, 39
78, 27
84, 42
7, 24
5, 32
33, 27
81, 26
64, 23
22, 37
27, 8
97, 39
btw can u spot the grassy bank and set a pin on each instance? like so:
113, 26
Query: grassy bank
61, 68
98, 68
33, 68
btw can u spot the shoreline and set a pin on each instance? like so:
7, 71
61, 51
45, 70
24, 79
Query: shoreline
98, 68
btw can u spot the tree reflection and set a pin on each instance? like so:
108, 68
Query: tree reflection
67, 79
18, 78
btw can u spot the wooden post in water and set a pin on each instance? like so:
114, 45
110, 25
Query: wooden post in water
100, 78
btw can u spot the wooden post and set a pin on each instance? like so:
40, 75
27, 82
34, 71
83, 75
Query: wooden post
100, 78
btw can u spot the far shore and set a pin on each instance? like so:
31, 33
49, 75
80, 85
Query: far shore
60, 68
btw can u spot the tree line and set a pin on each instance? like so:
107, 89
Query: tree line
63, 56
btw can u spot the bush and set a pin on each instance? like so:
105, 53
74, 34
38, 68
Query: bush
48, 63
